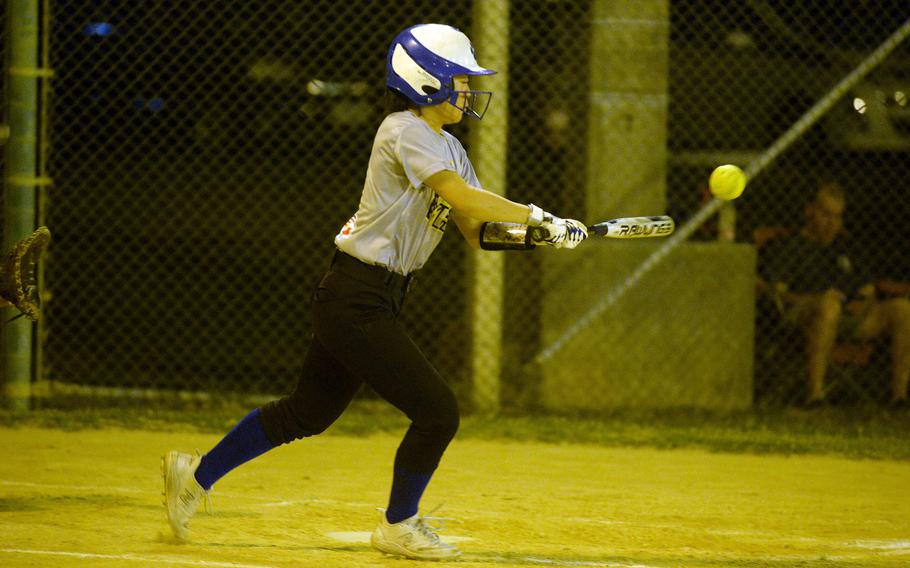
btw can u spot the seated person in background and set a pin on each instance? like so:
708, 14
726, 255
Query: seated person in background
818, 284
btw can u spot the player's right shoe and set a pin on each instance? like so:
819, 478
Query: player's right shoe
182, 493
411, 538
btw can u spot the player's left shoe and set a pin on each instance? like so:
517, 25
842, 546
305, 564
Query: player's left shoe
412, 538
182, 493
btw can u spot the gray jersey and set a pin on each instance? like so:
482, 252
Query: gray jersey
399, 220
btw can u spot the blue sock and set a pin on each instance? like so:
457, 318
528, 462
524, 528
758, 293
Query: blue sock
407, 489
244, 442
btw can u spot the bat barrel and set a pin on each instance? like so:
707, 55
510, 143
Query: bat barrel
634, 227
624, 228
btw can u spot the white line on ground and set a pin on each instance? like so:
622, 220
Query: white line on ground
901, 545
269, 500
551, 562
883, 546
709, 530
72, 487
148, 560
364, 537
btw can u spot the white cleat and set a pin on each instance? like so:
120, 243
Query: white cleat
411, 538
182, 493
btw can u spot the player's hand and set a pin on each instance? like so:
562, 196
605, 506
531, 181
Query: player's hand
577, 232
560, 233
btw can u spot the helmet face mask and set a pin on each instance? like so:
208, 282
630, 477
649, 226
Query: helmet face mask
476, 103
423, 62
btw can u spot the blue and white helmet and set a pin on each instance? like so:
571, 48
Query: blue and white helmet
422, 61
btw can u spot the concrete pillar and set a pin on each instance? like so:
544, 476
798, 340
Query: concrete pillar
627, 130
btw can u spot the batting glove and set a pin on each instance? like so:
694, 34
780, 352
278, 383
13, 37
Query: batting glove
537, 217
560, 233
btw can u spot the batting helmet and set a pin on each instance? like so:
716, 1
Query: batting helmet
422, 61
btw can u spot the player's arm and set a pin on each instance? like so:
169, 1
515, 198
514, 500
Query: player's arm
469, 228
478, 203
499, 217
494, 235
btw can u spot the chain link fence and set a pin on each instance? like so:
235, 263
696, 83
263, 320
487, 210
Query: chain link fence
205, 154
4, 120
741, 75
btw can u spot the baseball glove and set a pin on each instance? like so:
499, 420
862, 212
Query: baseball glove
18, 281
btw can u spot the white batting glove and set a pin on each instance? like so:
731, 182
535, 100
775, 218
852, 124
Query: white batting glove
577, 232
537, 216
559, 233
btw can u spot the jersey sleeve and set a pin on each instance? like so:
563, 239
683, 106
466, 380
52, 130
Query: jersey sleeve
422, 154
468, 173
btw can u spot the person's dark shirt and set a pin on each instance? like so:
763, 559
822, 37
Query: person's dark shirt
808, 267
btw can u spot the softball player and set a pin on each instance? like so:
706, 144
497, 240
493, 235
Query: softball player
419, 177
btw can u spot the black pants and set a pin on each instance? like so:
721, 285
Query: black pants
357, 338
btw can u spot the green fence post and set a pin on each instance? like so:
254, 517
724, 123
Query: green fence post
21, 154
489, 35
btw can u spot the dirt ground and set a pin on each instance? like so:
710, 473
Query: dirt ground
93, 498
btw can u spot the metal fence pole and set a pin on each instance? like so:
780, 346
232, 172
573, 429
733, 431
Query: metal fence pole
488, 154
21, 162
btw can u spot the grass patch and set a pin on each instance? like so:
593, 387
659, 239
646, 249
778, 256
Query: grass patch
856, 432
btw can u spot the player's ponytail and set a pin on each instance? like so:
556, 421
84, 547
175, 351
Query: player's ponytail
396, 102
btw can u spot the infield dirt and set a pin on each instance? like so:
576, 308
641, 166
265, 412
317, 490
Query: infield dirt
92, 498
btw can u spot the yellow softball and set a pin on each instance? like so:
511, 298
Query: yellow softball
727, 182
